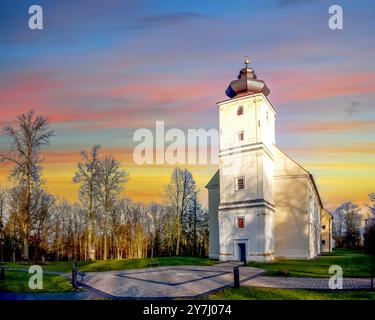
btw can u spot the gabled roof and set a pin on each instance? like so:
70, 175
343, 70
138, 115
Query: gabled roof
215, 181
325, 211
311, 177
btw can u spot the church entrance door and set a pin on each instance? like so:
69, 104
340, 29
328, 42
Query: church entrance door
242, 252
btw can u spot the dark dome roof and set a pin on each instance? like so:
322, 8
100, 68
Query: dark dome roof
247, 83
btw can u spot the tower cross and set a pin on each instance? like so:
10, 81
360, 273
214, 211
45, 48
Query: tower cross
247, 61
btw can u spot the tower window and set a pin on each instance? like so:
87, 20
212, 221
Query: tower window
240, 136
240, 222
240, 183
240, 110
323, 227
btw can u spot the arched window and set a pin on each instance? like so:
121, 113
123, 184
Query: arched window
240, 110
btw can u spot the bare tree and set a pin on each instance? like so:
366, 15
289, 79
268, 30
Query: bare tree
347, 224
371, 206
87, 175
42, 222
111, 182
180, 190
2, 205
29, 135
155, 213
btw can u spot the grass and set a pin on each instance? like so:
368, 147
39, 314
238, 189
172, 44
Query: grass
18, 281
355, 263
117, 264
245, 293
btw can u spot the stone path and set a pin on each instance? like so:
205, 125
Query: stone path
306, 283
167, 282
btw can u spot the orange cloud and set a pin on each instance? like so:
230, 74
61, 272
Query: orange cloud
358, 148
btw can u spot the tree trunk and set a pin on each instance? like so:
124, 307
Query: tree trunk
25, 249
90, 246
105, 245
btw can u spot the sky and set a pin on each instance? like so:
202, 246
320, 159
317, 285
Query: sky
99, 70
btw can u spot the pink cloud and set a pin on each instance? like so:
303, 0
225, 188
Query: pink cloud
293, 86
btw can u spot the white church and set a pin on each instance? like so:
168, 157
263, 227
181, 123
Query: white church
262, 204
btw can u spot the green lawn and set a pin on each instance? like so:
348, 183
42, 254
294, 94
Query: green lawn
18, 281
354, 264
121, 264
245, 293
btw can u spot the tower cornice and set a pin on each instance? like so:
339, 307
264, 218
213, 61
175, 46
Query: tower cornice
247, 97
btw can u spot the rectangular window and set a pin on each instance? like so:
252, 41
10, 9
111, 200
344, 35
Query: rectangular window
240, 183
240, 222
240, 110
240, 136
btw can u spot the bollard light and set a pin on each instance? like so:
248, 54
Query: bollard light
74, 275
236, 277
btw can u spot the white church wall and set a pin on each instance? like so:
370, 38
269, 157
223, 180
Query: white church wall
257, 121
256, 168
231, 123
291, 218
314, 209
259, 245
326, 233
238, 166
265, 121
269, 220
268, 186
213, 220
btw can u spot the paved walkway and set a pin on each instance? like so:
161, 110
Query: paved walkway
306, 283
167, 282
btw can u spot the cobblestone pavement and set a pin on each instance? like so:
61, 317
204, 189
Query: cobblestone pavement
306, 283
167, 282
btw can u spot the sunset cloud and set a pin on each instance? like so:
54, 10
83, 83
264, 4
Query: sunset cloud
100, 70
329, 126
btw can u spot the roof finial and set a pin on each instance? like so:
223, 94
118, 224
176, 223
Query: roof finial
247, 61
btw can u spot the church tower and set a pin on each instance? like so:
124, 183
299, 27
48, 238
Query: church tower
246, 171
